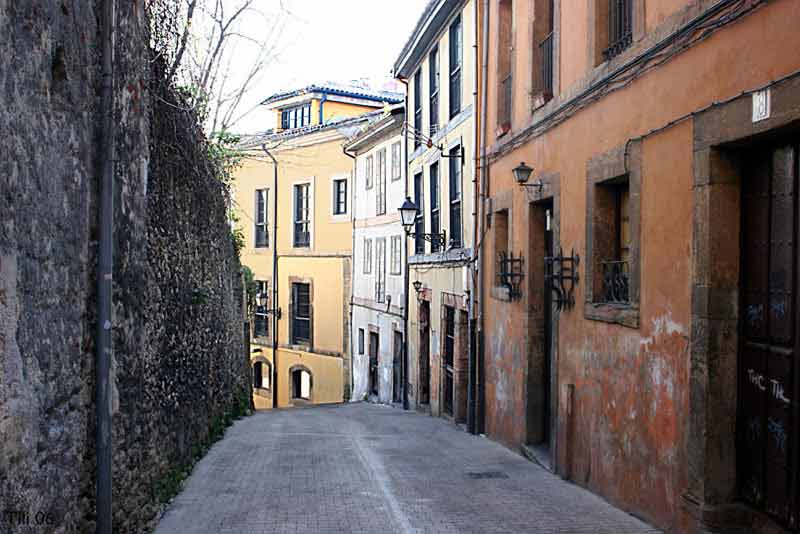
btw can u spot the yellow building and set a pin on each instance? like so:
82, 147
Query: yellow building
305, 232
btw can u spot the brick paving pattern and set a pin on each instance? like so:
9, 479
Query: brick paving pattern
369, 468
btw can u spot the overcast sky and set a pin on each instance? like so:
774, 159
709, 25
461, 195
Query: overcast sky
335, 40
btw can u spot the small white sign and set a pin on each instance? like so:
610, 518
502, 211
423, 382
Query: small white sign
547, 214
761, 105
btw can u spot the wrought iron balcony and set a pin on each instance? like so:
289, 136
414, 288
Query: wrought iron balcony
616, 282
620, 27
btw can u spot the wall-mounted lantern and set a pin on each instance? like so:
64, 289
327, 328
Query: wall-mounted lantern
522, 174
262, 299
408, 216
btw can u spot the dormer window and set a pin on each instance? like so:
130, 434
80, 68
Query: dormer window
296, 117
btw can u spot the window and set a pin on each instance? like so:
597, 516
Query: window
433, 88
368, 172
367, 256
504, 69
500, 225
542, 52
396, 161
455, 197
613, 215
302, 216
435, 221
340, 196
261, 233
620, 27
614, 246
261, 375
296, 117
361, 341
419, 222
260, 317
380, 194
301, 313
417, 109
397, 255
380, 269
456, 53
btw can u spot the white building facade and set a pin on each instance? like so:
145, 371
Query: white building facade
378, 260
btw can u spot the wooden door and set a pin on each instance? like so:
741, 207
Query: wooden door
396, 368
768, 385
373, 363
424, 353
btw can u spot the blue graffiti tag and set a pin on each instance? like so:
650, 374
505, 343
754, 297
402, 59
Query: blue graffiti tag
754, 313
777, 431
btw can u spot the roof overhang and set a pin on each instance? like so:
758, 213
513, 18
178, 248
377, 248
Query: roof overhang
430, 25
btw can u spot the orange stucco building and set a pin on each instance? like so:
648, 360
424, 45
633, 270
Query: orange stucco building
645, 345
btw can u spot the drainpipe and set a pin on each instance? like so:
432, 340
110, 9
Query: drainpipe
405, 249
471, 364
352, 260
479, 349
321, 102
103, 342
275, 306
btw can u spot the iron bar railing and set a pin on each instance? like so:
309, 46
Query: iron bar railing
546, 66
620, 27
506, 88
616, 282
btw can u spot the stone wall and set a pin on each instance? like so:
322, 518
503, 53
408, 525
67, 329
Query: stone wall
180, 365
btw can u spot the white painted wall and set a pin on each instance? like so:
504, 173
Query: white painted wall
386, 316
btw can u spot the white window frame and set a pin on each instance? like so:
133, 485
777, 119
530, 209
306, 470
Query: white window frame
367, 256
311, 195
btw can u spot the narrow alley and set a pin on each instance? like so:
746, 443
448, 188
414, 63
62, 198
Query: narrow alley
370, 468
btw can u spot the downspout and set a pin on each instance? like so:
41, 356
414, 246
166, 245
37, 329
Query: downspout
321, 102
481, 363
275, 306
405, 249
105, 266
352, 261
471, 352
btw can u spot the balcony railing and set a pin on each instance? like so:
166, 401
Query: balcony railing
506, 88
616, 282
620, 27
546, 66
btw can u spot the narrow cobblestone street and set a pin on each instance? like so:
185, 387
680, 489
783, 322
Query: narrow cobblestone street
370, 468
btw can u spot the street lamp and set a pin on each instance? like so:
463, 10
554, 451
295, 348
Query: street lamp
408, 216
262, 299
522, 174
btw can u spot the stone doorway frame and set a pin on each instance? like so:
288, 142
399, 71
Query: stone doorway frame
719, 131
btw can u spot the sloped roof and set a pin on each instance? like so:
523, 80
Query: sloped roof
429, 26
333, 88
256, 140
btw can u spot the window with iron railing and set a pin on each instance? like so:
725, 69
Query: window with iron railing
380, 193
620, 27
301, 313
504, 63
380, 269
506, 89
455, 196
260, 316
546, 66
615, 262
261, 232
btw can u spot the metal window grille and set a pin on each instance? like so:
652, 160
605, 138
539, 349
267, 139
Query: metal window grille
616, 282
620, 27
506, 90
546, 66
